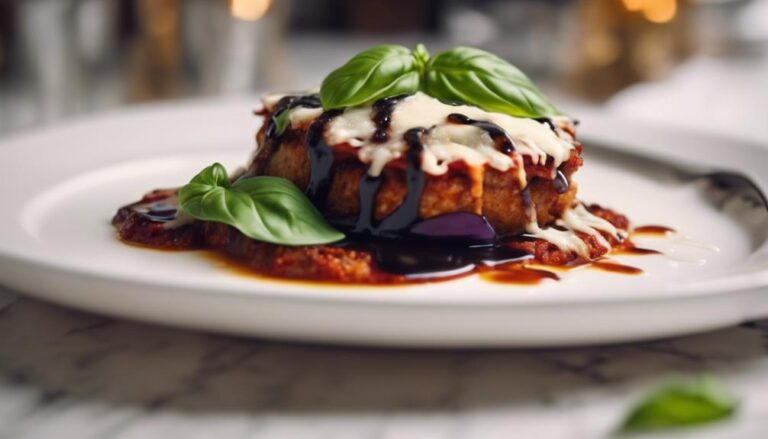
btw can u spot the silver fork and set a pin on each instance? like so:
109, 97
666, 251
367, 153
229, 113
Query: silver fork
727, 162
721, 179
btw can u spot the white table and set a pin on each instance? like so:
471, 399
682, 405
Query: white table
67, 374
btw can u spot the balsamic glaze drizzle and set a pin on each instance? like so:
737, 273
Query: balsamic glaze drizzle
408, 211
548, 121
500, 138
161, 211
560, 183
287, 103
273, 139
321, 159
367, 191
382, 116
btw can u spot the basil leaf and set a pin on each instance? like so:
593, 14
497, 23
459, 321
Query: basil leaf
680, 405
378, 72
476, 77
268, 209
281, 121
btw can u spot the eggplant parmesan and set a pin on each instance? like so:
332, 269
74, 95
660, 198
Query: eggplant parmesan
420, 187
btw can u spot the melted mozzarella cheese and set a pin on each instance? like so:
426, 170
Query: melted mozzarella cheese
576, 219
301, 115
579, 219
446, 142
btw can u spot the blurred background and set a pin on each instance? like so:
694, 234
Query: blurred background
702, 63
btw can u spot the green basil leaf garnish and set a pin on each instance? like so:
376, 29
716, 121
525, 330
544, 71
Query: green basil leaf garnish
268, 209
281, 121
462, 74
378, 72
681, 405
482, 79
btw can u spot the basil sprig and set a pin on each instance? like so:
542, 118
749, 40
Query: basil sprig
459, 75
681, 405
268, 209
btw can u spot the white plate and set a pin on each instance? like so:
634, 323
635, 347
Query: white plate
61, 185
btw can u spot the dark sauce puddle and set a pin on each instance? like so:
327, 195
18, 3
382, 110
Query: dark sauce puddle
419, 259
161, 211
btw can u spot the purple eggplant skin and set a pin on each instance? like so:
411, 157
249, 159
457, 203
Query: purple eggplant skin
456, 226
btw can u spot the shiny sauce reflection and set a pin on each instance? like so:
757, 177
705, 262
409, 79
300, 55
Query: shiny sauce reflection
615, 267
519, 276
653, 230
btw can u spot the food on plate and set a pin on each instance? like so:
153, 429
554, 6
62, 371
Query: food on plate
402, 167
